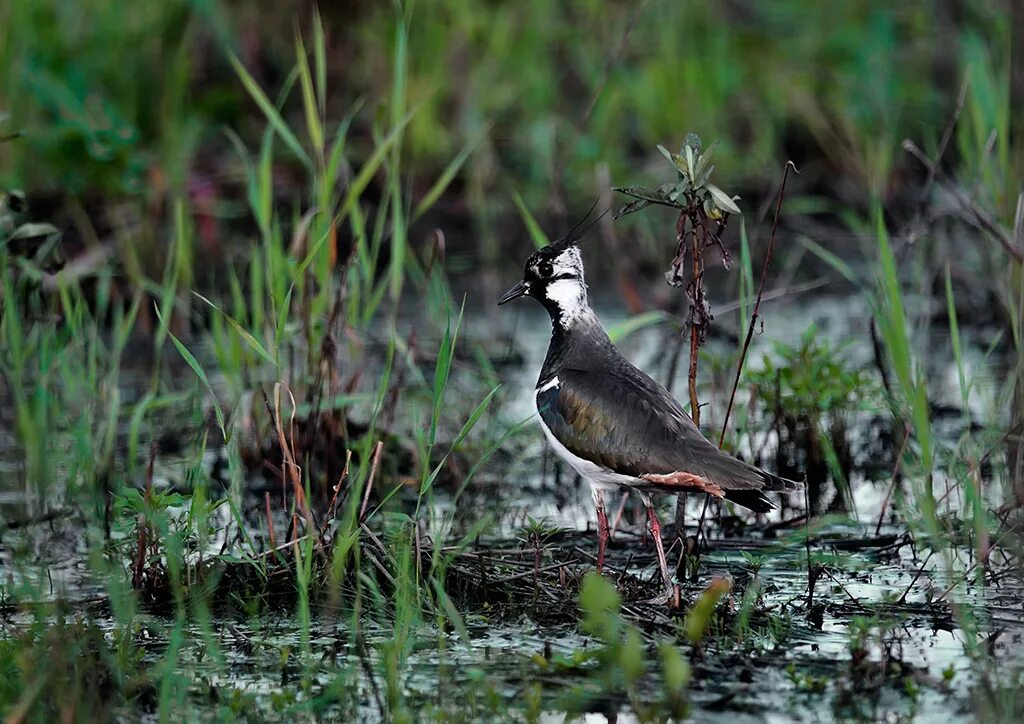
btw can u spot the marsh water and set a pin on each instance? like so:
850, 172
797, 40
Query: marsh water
876, 602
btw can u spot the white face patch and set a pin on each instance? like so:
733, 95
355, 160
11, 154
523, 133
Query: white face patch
570, 295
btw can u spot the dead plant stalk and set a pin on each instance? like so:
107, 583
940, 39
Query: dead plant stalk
754, 317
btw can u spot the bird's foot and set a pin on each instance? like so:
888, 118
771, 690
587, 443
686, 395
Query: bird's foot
665, 598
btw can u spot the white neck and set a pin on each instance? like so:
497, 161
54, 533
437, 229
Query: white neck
569, 297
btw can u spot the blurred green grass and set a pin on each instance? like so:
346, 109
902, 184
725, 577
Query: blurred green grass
130, 101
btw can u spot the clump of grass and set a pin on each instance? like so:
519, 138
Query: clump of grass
623, 660
283, 338
809, 390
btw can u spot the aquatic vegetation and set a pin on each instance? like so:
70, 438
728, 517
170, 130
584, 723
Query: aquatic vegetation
704, 211
809, 390
255, 461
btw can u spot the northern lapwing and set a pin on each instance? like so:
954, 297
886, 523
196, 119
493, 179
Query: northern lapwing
617, 427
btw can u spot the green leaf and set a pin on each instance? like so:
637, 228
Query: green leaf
631, 656
632, 207
699, 617
33, 231
656, 196
677, 161
703, 164
702, 177
690, 162
600, 603
674, 669
723, 200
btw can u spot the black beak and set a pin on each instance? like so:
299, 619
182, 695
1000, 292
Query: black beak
514, 293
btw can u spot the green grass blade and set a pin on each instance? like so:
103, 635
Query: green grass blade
270, 111
467, 427
832, 260
369, 168
540, 239
320, 60
895, 316
445, 356
193, 363
954, 337
618, 332
746, 272
309, 101
446, 177
242, 332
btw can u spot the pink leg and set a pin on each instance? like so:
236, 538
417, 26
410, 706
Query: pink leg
652, 518
602, 528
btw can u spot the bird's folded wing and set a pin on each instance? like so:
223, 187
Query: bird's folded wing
630, 424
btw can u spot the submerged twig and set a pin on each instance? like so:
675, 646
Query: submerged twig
533, 571
892, 483
920, 571
843, 588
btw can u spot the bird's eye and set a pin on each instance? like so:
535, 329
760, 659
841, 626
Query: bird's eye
544, 269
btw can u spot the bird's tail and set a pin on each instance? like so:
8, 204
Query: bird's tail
781, 485
756, 500
753, 499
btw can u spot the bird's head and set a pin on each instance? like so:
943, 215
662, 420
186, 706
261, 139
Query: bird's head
553, 276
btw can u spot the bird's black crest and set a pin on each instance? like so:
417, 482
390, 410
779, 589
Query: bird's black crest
577, 232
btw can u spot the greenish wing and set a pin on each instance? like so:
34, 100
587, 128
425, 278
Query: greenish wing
634, 427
